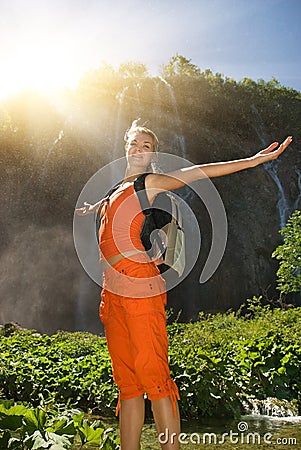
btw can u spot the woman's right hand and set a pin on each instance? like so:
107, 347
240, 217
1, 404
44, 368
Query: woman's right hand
84, 210
88, 209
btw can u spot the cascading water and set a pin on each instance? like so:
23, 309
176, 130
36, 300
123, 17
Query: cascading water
283, 206
137, 86
179, 138
50, 150
120, 99
58, 139
84, 286
157, 101
270, 407
178, 141
297, 203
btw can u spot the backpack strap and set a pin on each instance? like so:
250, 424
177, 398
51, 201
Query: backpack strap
139, 186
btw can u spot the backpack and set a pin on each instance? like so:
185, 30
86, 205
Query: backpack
162, 232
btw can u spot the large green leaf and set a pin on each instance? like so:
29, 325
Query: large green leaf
90, 435
10, 422
35, 419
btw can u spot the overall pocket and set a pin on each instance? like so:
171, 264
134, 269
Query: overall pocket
134, 279
104, 307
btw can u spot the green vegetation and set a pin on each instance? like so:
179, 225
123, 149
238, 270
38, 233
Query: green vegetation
25, 428
217, 362
69, 368
225, 358
289, 255
178, 65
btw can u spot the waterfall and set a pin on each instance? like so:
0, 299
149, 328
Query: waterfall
285, 209
282, 204
258, 127
179, 138
56, 141
297, 203
50, 150
157, 101
137, 86
270, 407
120, 99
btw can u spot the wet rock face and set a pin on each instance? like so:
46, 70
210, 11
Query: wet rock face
49, 154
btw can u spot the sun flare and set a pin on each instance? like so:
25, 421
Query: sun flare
38, 66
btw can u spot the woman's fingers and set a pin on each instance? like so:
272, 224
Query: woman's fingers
284, 145
273, 147
270, 148
287, 142
83, 210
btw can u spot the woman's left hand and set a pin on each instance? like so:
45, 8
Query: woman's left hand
272, 151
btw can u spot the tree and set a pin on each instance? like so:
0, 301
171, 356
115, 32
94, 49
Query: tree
289, 255
179, 65
102, 75
132, 70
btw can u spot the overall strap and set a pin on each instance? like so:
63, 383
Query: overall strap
97, 215
112, 190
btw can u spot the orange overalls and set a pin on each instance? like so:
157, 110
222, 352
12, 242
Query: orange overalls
132, 306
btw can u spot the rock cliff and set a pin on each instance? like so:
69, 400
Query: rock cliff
50, 149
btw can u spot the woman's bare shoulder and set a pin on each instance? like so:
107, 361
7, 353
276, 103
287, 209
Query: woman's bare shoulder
163, 181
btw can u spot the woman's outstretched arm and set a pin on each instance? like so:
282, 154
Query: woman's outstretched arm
178, 178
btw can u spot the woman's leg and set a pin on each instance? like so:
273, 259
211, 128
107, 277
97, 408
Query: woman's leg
131, 419
131, 407
167, 424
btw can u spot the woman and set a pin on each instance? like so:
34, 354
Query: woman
133, 296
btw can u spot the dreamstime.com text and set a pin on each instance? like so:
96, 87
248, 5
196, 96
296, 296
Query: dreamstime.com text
241, 436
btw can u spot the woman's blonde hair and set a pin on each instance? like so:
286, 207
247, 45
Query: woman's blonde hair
135, 128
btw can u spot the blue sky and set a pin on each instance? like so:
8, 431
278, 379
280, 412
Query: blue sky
46, 42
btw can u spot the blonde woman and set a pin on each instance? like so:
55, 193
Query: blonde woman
134, 297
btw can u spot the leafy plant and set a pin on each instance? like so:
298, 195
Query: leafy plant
29, 428
289, 255
224, 358
73, 368
216, 362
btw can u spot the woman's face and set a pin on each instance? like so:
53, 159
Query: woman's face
140, 150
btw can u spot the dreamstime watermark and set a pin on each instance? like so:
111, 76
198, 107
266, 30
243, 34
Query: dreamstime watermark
240, 436
84, 230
